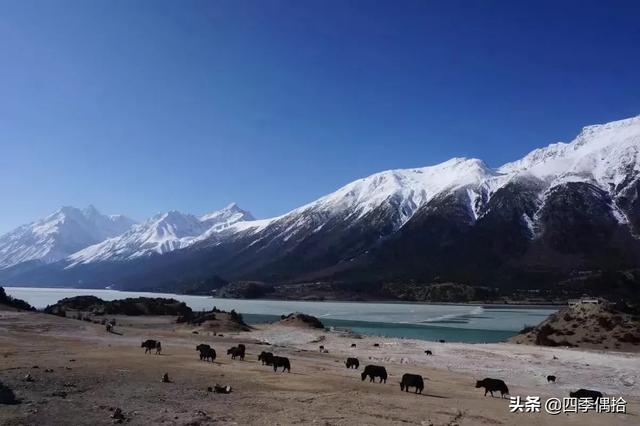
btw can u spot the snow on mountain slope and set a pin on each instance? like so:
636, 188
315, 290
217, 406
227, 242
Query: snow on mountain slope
160, 234
406, 190
58, 235
378, 204
401, 192
221, 219
605, 155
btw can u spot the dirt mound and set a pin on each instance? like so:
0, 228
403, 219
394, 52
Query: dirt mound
215, 321
585, 325
299, 319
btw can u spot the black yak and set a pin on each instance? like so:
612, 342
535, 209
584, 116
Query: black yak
266, 358
206, 352
236, 351
374, 371
353, 345
413, 380
280, 361
551, 379
150, 344
428, 352
586, 393
202, 346
352, 362
493, 385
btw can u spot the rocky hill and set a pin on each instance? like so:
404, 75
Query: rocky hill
215, 321
298, 319
586, 325
129, 306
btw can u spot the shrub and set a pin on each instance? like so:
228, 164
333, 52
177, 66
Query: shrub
5, 299
630, 338
606, 323
526, 329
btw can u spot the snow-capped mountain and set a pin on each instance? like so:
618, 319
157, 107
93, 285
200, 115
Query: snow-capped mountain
604, 155
377, 206
58, 235
160, 234
406, 190
564, 208
227, 216
461, 202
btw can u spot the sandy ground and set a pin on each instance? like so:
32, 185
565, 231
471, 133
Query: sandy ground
95, 372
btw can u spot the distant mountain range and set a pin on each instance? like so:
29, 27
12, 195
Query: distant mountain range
565, 217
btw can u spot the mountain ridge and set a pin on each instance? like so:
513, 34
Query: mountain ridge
415, 224
59, 234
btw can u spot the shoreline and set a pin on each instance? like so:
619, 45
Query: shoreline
462, 322
533, 305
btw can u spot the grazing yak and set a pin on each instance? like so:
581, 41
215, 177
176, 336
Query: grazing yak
374, 371
352, 362
493, 385
266, 358
202, 346
586, 393
428, 352
551, 379
150, 344
236, 351
413, 380
353, 345
206, 352
280, 361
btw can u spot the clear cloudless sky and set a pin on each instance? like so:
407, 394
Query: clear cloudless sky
139, 107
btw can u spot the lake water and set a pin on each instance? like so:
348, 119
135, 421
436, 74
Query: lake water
457, 323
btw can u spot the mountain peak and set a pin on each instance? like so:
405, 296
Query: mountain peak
232, 206
599, 154
231, 213
58, 235
90, 210
160, 234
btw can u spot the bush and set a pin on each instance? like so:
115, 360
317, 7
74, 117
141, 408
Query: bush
527, 329
236, 316
630, 338
7, 396
5, 299
606, 323
542, 339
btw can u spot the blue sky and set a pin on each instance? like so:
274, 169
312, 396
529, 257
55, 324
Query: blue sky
144, 106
